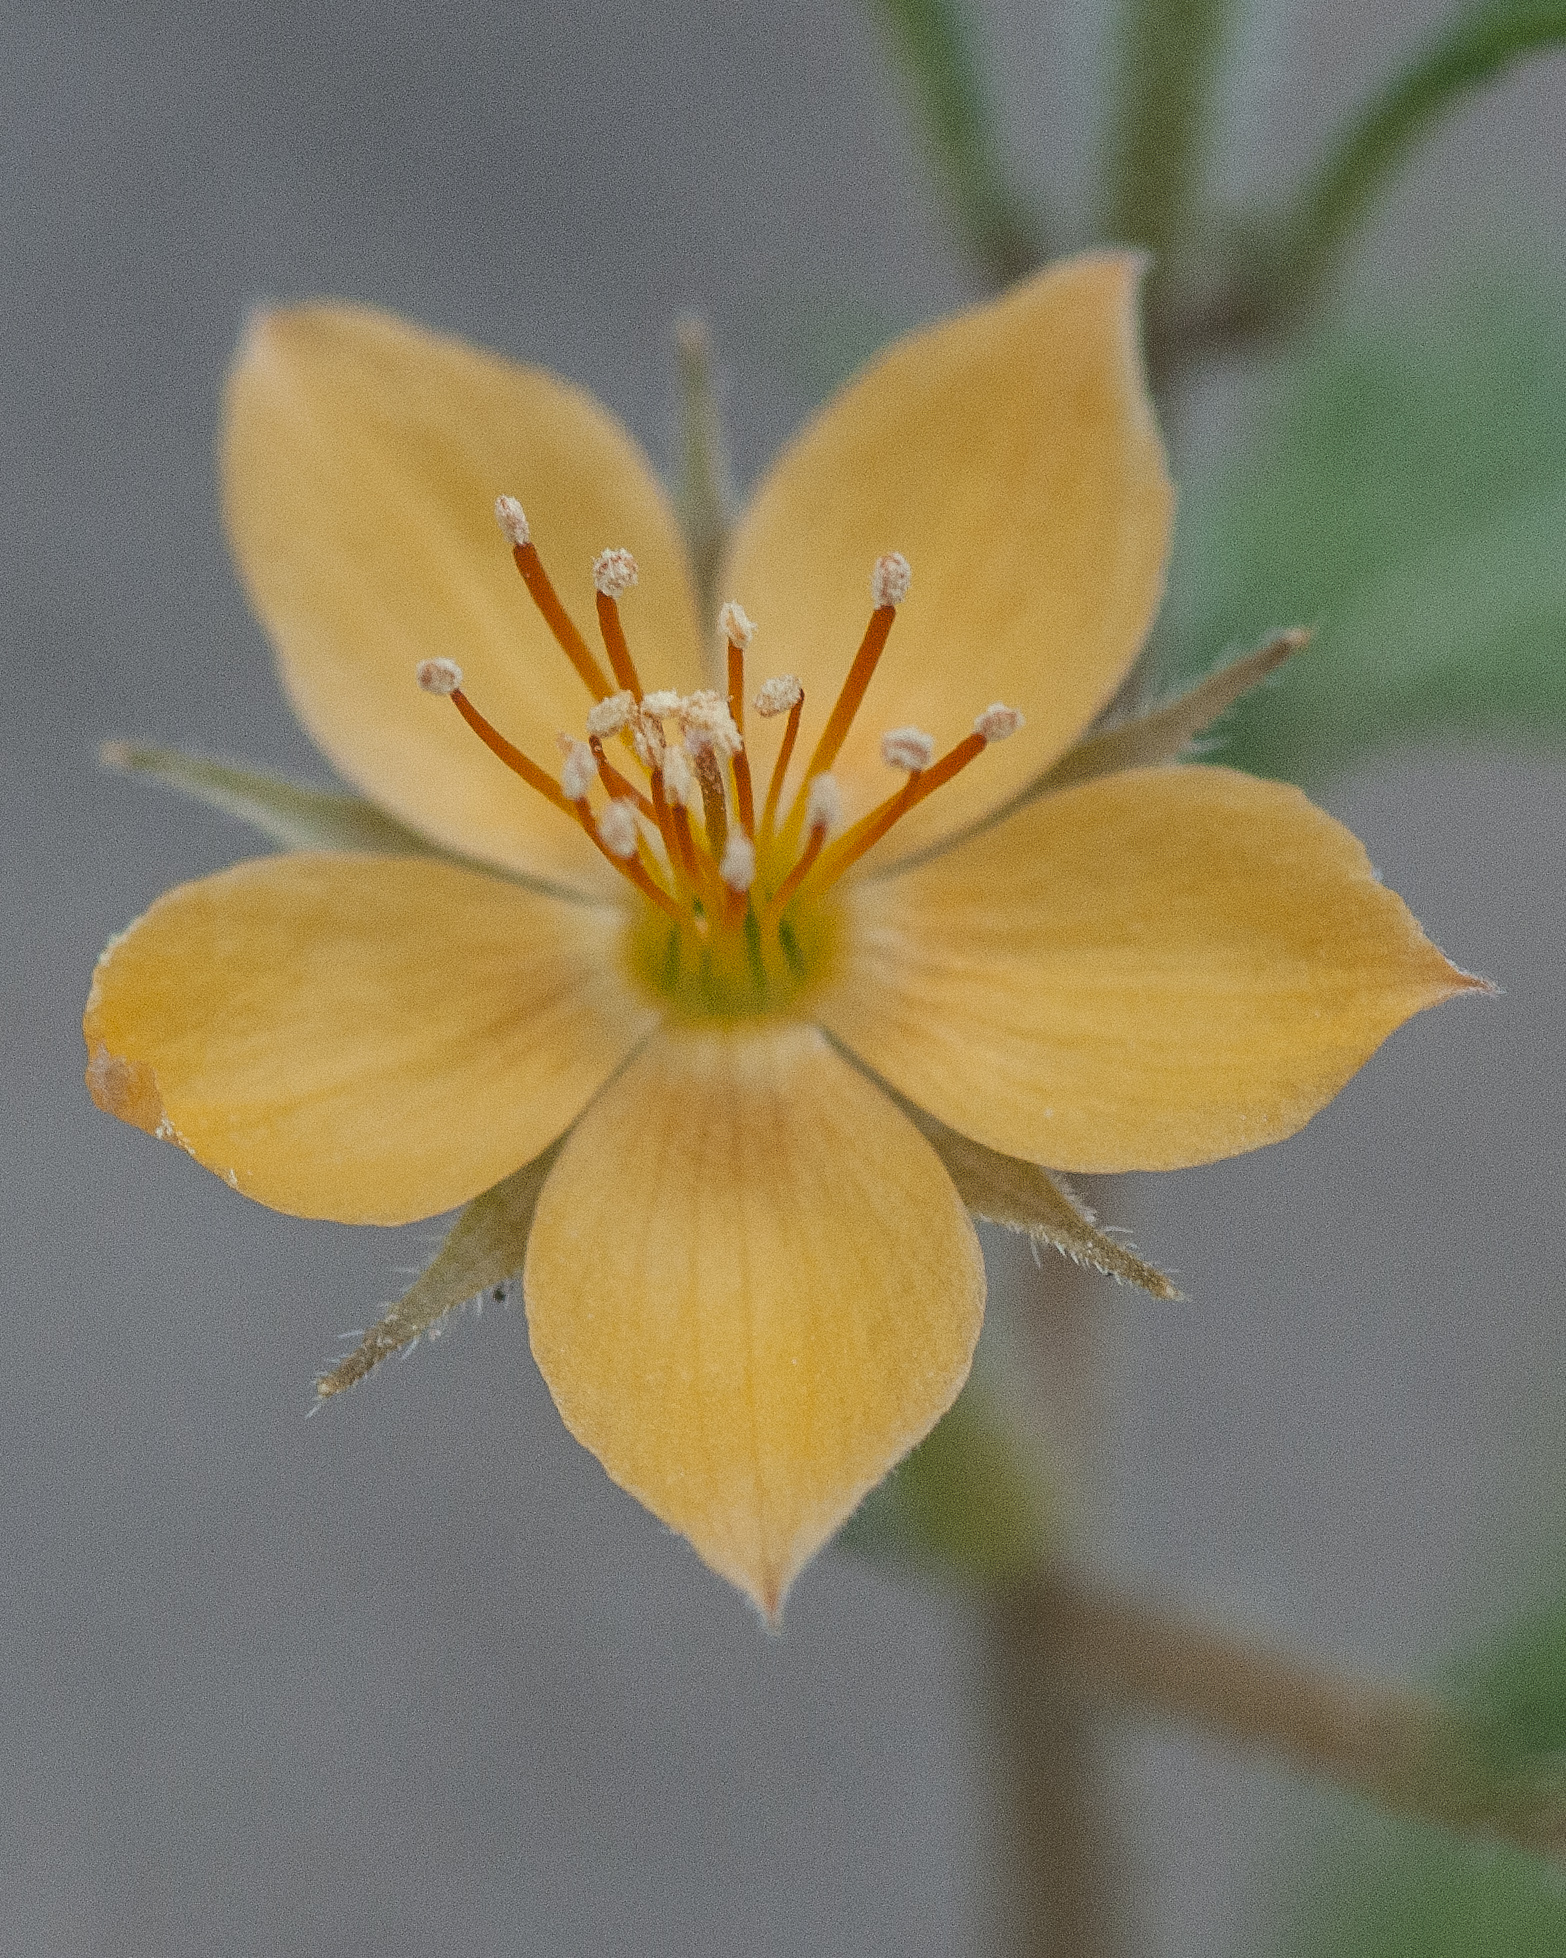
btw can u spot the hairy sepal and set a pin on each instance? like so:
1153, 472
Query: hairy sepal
483, 1249
1022, 1196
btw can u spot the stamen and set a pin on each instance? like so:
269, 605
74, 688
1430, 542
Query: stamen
580, 770
618, 787
781, 695
709, 779
889, 585
609, 716
736, 626
778, 695
662, 703
824, 804
615, 572
890, 580
679, 778
647, 739
444, 676
617, 827
438, 676
869, 830
708, 723
823, 812
908, 748
998, 723
738, 868
512, 519
513, 522
739, 631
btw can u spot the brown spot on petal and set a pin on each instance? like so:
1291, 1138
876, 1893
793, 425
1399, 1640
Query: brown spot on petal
128, 1089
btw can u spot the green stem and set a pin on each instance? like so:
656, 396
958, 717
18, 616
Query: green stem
1474, 48
1171, 59
934, 41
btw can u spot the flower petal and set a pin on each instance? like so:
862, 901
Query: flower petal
370, 1039
1155, 969
751, 1287
361, 462
1011, 455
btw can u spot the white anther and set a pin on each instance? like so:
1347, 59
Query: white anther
438, 675
735, 625
609, 716
824, 803
908, 748
647, 738
579, 771
614, 572
512, 519
889, 581
996, 722
707, 722
617, 829
778, 695
679, 778
738, 868
662, 703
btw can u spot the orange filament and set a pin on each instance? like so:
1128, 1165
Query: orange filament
860, 674
869, 830
742, 788
779, 771
567, 638
801, 870
515, 760
614, 645
616, 784
550, 789
631, 867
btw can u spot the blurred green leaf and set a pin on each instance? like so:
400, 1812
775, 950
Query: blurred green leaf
1403, 490
1514, 1696
1406, 1891
964, 1501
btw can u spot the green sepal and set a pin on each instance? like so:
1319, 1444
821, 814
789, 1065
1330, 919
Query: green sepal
483, 1249
294, 815
298, 815
1022, 1196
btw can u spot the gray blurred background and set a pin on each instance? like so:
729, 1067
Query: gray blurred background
413, 1677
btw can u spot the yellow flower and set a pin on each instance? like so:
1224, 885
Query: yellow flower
751, 1282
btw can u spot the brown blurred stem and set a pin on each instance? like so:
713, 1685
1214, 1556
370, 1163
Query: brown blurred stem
1390, 1745
1059, 1889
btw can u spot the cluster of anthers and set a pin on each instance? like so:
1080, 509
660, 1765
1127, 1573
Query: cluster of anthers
734, 916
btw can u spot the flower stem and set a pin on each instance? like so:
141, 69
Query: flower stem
1171, 58
1402, 1749
934, 41
1058, 1892
1476, 47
